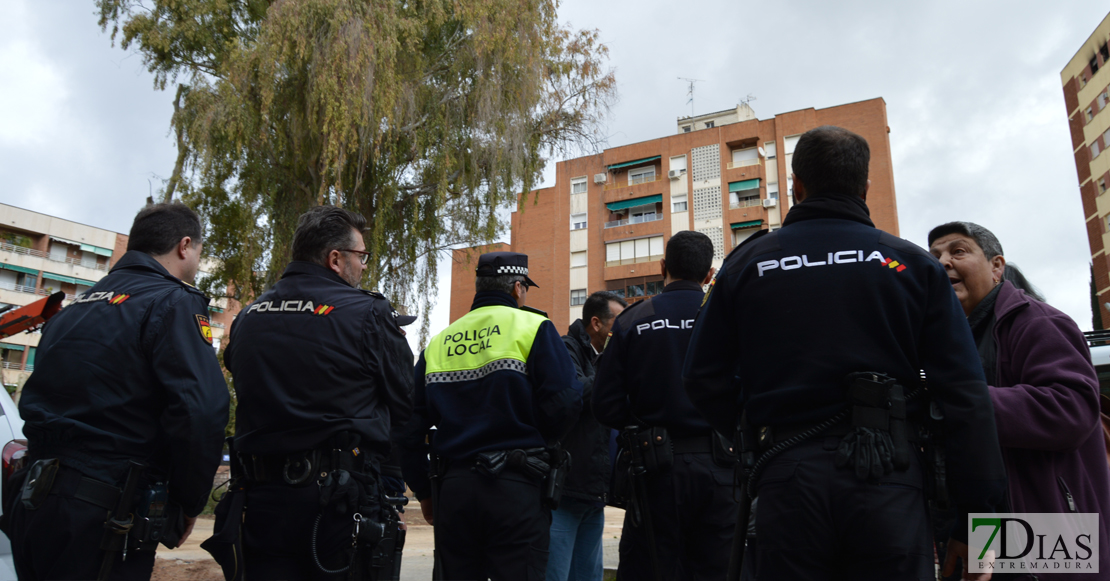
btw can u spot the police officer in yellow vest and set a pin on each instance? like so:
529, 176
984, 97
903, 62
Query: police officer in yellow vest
500, 389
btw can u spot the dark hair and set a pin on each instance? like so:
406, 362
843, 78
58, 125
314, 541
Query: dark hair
991, 247
323, 229
501, 282
831, 160
158, 228
689, 255
597, 305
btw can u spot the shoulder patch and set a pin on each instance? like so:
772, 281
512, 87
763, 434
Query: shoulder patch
374, 294
205, 328
705, 298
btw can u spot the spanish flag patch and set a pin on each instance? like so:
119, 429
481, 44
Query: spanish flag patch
205, 328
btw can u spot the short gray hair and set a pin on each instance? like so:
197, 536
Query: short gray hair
986, 239
502, 282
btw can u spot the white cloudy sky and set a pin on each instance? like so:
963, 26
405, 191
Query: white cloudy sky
978, 125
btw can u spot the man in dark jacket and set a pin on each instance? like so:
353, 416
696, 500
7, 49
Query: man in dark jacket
126, 373
688, 509
577, 525
847, 299
323, 373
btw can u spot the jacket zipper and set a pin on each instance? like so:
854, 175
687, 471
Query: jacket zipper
1067, 494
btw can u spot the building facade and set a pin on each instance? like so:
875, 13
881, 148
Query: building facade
606, 221
41, 255
1086, 83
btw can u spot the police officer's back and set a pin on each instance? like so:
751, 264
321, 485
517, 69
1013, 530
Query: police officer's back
790, 316
322, 372
688, 507
499, 387
126, 373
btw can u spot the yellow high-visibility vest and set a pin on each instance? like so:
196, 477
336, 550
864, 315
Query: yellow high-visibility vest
484, 340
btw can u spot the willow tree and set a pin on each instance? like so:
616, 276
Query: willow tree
427, 116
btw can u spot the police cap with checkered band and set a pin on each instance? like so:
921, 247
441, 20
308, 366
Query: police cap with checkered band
499, 263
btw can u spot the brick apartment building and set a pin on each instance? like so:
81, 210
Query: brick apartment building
41, 255
605, 222
1086, 83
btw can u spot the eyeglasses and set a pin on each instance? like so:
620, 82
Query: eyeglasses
364, 257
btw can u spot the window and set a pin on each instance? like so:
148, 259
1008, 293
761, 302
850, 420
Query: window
577, 259
743, 157
773, 191
1094, 64
709, 125
577, 221
1094, 149
578, 186
633, 251
1102, 101
685, 128
1106, 136
577, 297
743, 199
678, 203
640, 176
1101, 185
643, 214
769, 149
1090, 115
678, 164
790, 143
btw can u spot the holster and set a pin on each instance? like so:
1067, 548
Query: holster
724, 453
39, 482
532, 462
556, 476
157, 520
651, 448
226, 543
620, 482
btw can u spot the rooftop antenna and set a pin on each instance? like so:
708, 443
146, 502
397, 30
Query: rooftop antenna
690, 92
747, 100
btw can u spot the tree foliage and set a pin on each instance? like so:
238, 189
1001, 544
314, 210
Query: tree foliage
426, 116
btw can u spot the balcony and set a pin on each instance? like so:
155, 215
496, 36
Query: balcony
745, 203
19, 367
634, 220
23, 289
6, 247
744, 163
633, 182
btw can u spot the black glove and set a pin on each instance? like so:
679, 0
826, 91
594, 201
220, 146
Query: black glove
343, 491
870, 451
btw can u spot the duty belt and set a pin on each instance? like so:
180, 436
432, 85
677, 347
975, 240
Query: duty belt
92, 491
693, 445
299, 468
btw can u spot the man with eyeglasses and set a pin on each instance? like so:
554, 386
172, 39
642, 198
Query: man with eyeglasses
322, 372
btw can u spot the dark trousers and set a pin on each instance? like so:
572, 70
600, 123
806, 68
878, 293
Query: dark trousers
817, 522
61, 538
693, 516
278, 529
491, 528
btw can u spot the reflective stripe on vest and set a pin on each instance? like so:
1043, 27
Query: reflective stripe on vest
485, 340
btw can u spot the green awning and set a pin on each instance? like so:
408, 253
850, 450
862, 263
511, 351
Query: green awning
59, 277
215, 309
614, 206
10, 346
84, 282
748, 224
632, 163
22, 269
96, 250
744, 185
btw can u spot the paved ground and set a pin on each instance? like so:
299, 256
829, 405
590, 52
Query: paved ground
191, 563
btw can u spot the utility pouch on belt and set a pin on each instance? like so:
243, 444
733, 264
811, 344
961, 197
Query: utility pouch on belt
878, 443
620, 482
652, 447
724, 453
157, 520
39, 481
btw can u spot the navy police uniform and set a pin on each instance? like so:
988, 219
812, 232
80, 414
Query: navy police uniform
322, 374
790, 315
497, 380
125, 373
639, 382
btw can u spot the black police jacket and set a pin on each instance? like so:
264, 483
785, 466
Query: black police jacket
499, 410
312, 357
588, 440
639, 376
792, 312
127, 372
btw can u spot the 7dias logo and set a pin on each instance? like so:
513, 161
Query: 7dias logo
1029, 543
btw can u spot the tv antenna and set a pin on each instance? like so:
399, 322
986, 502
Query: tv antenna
748, 100
690, 92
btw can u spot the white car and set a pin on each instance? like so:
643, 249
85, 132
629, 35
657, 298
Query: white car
11, 433
1099, 342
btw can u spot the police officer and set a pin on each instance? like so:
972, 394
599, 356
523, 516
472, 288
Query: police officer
499, 387
686, 509
830, 314
322, 373
125, 411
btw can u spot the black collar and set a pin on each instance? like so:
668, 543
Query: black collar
830, 206
493, 299
682, 285
136, 260
298, 267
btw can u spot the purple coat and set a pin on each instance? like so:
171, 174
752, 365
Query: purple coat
1046, 407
